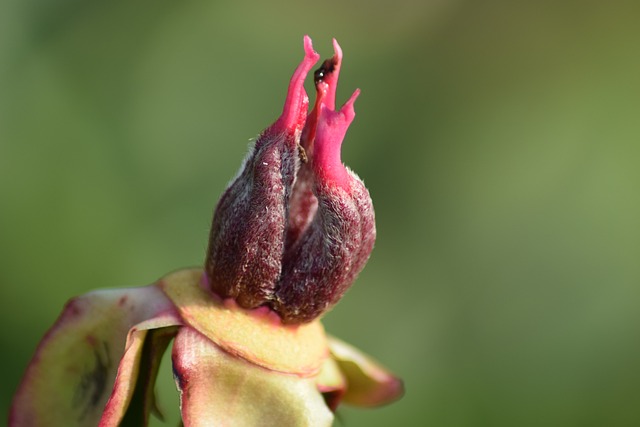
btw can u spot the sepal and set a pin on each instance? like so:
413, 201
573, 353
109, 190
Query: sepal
368, 382
219, 389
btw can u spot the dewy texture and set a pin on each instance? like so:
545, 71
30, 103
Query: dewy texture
296, 226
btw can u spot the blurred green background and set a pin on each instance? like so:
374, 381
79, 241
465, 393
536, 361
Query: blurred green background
500, 141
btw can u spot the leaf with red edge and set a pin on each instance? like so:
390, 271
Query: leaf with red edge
368, 383
217, 388
72, 373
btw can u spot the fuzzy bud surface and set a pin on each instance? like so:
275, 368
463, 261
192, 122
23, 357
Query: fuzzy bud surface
296, 226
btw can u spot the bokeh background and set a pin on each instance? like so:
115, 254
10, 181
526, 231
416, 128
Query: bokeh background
500, 141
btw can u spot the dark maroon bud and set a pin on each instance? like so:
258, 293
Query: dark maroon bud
296, 227
246, 242
321, 264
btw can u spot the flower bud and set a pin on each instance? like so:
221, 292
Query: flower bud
246, 241
296, 226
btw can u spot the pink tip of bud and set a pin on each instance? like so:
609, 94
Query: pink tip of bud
295, 106
332, 72
326, 81
347, 109
331, 129
337, 50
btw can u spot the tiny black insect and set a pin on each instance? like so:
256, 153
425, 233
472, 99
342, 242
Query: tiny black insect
325, 69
